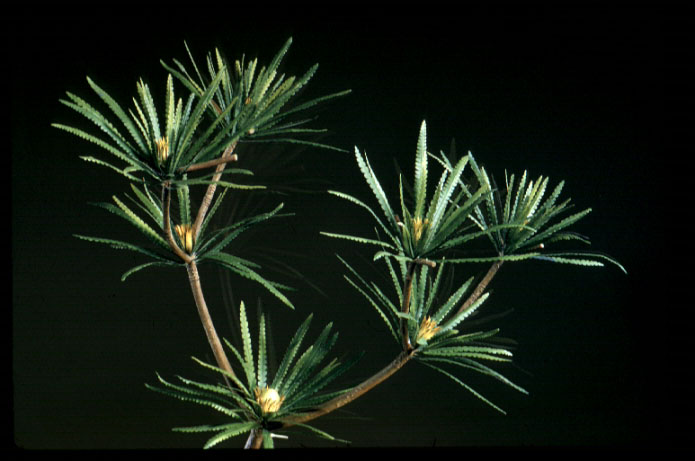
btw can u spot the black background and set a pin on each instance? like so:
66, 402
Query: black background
583, 95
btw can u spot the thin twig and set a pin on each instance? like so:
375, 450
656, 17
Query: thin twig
209, 164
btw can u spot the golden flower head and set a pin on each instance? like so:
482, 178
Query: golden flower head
162, 149
428, 329
269, 399
419, 226
185, 233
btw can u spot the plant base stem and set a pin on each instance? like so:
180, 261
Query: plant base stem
255, 440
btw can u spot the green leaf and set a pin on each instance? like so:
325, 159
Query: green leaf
212, 210
150, 110
140, 224
262, 354
135, 269
195, 118
138, 165
514, 257
420, 183
120, 113
233, 231
248, 350
366, 207
322, 433
195, 396
459, 317
374, 185
237, 266
377, 308
291, 352
465, 386
584, 259
108, 165
359, 239
120, 245
309, 361
438, 208
153, 208
184, 203
538, 238
451, 302
479, 368
243, 389
231, 430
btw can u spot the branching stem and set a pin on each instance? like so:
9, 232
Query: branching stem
196, 288
399, 361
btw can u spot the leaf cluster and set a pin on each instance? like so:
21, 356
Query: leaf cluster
161, 145
518, 225
251, 100
434, 225
434, 320
523, 222
146, 214
298, 385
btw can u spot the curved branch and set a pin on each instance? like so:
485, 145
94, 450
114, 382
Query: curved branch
481, 286
354, 393
208, 326
196, 288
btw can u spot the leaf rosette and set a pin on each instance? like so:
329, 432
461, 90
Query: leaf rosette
256, 400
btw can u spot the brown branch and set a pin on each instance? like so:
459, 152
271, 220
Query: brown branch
354, 393
208, 326
397, 363
481, 286
207, 199
255, 440
194, 280
209, 164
